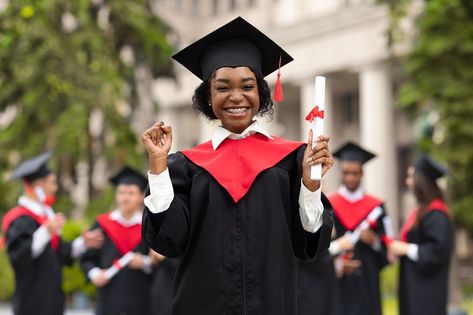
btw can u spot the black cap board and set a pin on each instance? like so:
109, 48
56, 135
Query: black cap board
128, 176
353, 152
33, 168
425, 164
237, 43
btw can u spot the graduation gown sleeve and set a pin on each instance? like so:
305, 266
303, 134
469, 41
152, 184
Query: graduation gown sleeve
167, 232
436, 246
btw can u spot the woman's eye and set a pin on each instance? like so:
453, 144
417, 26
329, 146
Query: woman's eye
221, 88
248, 87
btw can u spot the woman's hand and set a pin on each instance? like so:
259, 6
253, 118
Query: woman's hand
320, 154
157, 141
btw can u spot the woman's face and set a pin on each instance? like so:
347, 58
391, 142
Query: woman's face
234, 97
410, 178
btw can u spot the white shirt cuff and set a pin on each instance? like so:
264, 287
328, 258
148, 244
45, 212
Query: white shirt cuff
148, 265
377, 244
161, 192
41, 238
78, 247
413, 252
310, 209
93, 272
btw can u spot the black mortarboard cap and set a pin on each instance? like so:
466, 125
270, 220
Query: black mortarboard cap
33, 168
237, 43
128, 176
353, 152
425, 164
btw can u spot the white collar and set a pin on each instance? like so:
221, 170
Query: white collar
35, 207
351, 196
221, 134
117, 216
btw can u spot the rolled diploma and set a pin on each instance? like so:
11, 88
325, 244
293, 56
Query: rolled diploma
318, 123
373, 216
119, 265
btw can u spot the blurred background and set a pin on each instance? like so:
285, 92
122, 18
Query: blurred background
85, 77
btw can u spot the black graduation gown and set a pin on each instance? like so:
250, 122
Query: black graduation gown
423, 285
236, 257
317, 287
38, 281
360, 291
128, 292
161, 289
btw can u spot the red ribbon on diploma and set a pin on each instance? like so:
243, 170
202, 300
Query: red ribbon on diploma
117, 264
315, 113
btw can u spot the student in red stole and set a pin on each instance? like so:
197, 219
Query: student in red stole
358, 262
128, 291
32, 232
426, 244
238, 209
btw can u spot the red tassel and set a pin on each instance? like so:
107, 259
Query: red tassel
278, 96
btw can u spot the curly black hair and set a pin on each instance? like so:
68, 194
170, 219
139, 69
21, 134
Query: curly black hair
201, 106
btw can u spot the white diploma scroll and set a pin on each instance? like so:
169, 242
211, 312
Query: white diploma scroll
316, 117
119, 265
365, 224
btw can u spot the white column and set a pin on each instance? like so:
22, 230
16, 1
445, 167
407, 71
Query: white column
377, 134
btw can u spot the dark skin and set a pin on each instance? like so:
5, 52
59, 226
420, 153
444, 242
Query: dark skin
235, 101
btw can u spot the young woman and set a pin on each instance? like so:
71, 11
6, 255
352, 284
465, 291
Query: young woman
426, 244
237, 209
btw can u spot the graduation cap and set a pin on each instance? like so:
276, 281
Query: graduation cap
33, 168
352, 152
128, 176
425, 164
235, 44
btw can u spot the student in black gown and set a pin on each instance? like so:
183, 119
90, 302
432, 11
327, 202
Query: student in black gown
34, 246
426, 244
354, 213
128, 291
237, 209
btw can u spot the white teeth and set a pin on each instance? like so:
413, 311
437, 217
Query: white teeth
236, 110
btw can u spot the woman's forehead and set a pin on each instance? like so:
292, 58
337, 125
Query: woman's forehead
239, 73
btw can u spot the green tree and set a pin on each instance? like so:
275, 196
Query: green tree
69, 82
439, 79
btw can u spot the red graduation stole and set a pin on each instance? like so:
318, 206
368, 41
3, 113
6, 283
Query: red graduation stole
20, 211
236, 163
436, 204
125, 238
351, 214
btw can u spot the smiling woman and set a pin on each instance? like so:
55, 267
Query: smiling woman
237, 209
247, 82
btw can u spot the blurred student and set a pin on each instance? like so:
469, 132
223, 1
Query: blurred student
426, 244
32, 232
127, 291
359, 220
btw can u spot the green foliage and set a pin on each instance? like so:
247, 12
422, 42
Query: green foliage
6, 277
60, 61
439, 72
389, 280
